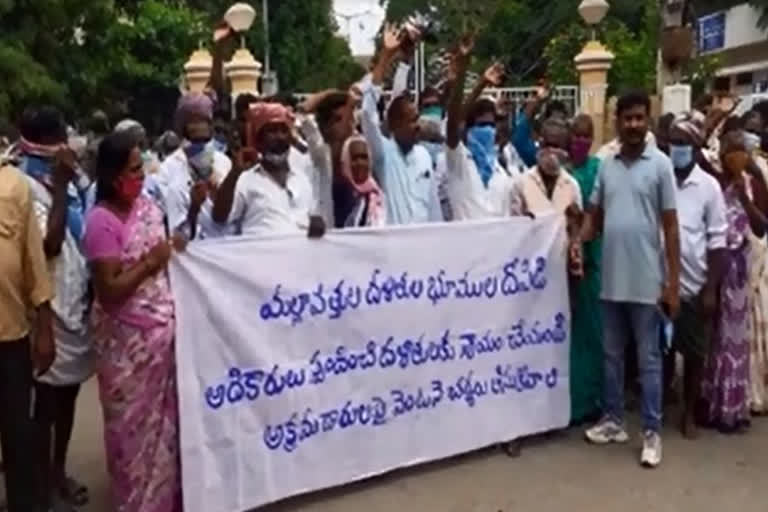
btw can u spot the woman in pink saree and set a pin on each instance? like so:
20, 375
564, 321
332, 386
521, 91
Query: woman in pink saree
133, 328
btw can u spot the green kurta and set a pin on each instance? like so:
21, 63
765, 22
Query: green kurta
587, 329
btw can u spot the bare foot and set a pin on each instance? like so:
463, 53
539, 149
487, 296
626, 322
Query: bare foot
689, 428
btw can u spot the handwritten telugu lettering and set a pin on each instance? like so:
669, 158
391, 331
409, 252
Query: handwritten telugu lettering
250, 385
468, 389
519, 275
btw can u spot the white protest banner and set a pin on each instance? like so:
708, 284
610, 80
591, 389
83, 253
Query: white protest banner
305, 364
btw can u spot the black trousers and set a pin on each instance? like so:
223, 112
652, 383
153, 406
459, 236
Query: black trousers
17, 431
54, 415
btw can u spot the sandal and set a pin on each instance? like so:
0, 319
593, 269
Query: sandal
74, 492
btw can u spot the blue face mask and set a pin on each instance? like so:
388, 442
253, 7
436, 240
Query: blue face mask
220, 145
481, 142
681, 156
200, 156
433, 112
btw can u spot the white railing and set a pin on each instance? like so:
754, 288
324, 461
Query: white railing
568, 94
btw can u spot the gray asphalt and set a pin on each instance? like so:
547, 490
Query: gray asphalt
555, 473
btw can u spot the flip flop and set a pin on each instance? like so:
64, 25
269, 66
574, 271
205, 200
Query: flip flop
75, 493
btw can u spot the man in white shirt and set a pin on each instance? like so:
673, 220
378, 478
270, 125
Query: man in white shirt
403, 168
270, 198
477, 184
703, 226
189, 177
548, 187
325, 133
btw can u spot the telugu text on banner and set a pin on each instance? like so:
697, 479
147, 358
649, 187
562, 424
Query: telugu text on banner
305, 364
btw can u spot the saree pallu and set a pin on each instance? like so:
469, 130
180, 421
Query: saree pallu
725, 387
586, 353
758, 328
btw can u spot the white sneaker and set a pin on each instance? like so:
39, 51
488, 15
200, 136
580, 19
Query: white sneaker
651, 455
607, 431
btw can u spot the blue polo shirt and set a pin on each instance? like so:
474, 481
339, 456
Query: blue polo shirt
633, 197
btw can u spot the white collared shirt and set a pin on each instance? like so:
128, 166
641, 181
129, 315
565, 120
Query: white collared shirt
408, 180
529, 194
703, 225
262, 206
173, 183
319, 169
468, 197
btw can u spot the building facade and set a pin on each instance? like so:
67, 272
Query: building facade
742, 47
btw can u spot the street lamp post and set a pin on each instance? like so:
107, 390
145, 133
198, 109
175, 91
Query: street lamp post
269, 83
265, 15
593, 64
243, 70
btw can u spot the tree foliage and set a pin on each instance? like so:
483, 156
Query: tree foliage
126, 56
535, 38
635, 53
515, 31
305, 50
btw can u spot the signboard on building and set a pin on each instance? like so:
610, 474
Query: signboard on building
712, 32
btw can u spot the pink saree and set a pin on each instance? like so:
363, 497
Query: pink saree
134, 341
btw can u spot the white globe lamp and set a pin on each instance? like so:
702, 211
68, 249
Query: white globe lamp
240, 17
243, 70
593, 12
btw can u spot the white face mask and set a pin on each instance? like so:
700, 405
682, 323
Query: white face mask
276, 159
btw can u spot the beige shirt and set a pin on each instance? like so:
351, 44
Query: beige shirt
530, 195
24, 278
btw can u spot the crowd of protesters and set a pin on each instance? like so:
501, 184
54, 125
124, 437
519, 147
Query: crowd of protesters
667, 250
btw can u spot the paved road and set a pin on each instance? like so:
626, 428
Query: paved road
560, 474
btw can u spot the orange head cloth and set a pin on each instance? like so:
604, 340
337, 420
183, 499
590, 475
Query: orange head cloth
262, 114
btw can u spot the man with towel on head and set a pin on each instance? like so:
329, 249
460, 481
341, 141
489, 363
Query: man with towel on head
270, 197
190, 175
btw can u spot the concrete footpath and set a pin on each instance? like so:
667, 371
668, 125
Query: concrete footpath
556, 474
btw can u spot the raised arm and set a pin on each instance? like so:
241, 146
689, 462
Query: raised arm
455, 104
522, 137
390, 50
225, 194
371, 89
56, 224
400, 81
492, 77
